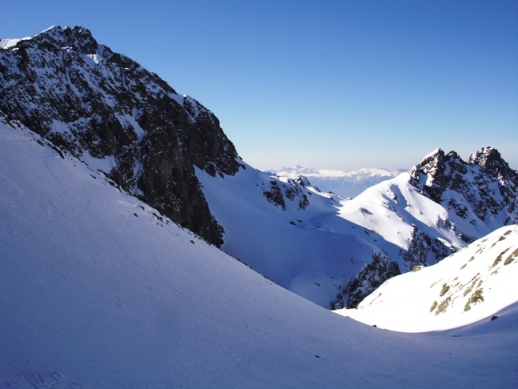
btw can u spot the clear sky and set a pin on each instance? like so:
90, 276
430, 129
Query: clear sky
330, 84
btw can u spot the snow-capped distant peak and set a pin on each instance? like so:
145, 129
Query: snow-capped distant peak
314, 172
344, 183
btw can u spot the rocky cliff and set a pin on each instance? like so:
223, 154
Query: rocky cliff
478, 191
110, 112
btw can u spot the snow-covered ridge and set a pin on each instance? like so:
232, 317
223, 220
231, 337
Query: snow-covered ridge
438, 207
473, 284
108, 111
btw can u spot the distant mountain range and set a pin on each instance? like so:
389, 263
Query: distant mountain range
343, 183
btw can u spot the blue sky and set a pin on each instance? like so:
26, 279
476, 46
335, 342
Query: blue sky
326, 84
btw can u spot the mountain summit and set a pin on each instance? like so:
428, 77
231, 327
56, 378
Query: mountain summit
119, 118
483, 188
432, 211
335, 251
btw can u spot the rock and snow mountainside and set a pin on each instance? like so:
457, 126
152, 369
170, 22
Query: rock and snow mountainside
438, 207
336, 251
481, 191
343, 183
288, 231
170, 152
118, 117
474, 283
98, 290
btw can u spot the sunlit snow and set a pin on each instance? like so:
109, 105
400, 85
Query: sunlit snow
470, 285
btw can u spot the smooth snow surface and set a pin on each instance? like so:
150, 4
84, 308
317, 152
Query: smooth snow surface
470, 285
97, 290
310, 251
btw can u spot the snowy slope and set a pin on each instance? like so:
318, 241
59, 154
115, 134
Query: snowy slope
437, 207
344, 183
392, 208
326, 250
470, 285
97, 290
305, 248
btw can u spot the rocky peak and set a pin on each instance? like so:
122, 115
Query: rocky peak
434, 172
106, 109
484, 186
303, 181
490, 160
77, 37
431, 163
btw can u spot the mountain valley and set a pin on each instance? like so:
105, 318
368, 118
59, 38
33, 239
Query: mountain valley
138, 249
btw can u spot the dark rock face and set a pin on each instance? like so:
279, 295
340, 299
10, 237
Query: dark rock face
370, 277
422, 247
93, 102
292, 191
417, 253
483, 187
274, 195
482, 190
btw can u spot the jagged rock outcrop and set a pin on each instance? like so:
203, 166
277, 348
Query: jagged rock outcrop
434, 210
291, 190
484, 186
274, 195
107, 110
370, 277
294, 192
482, 190
422, 245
